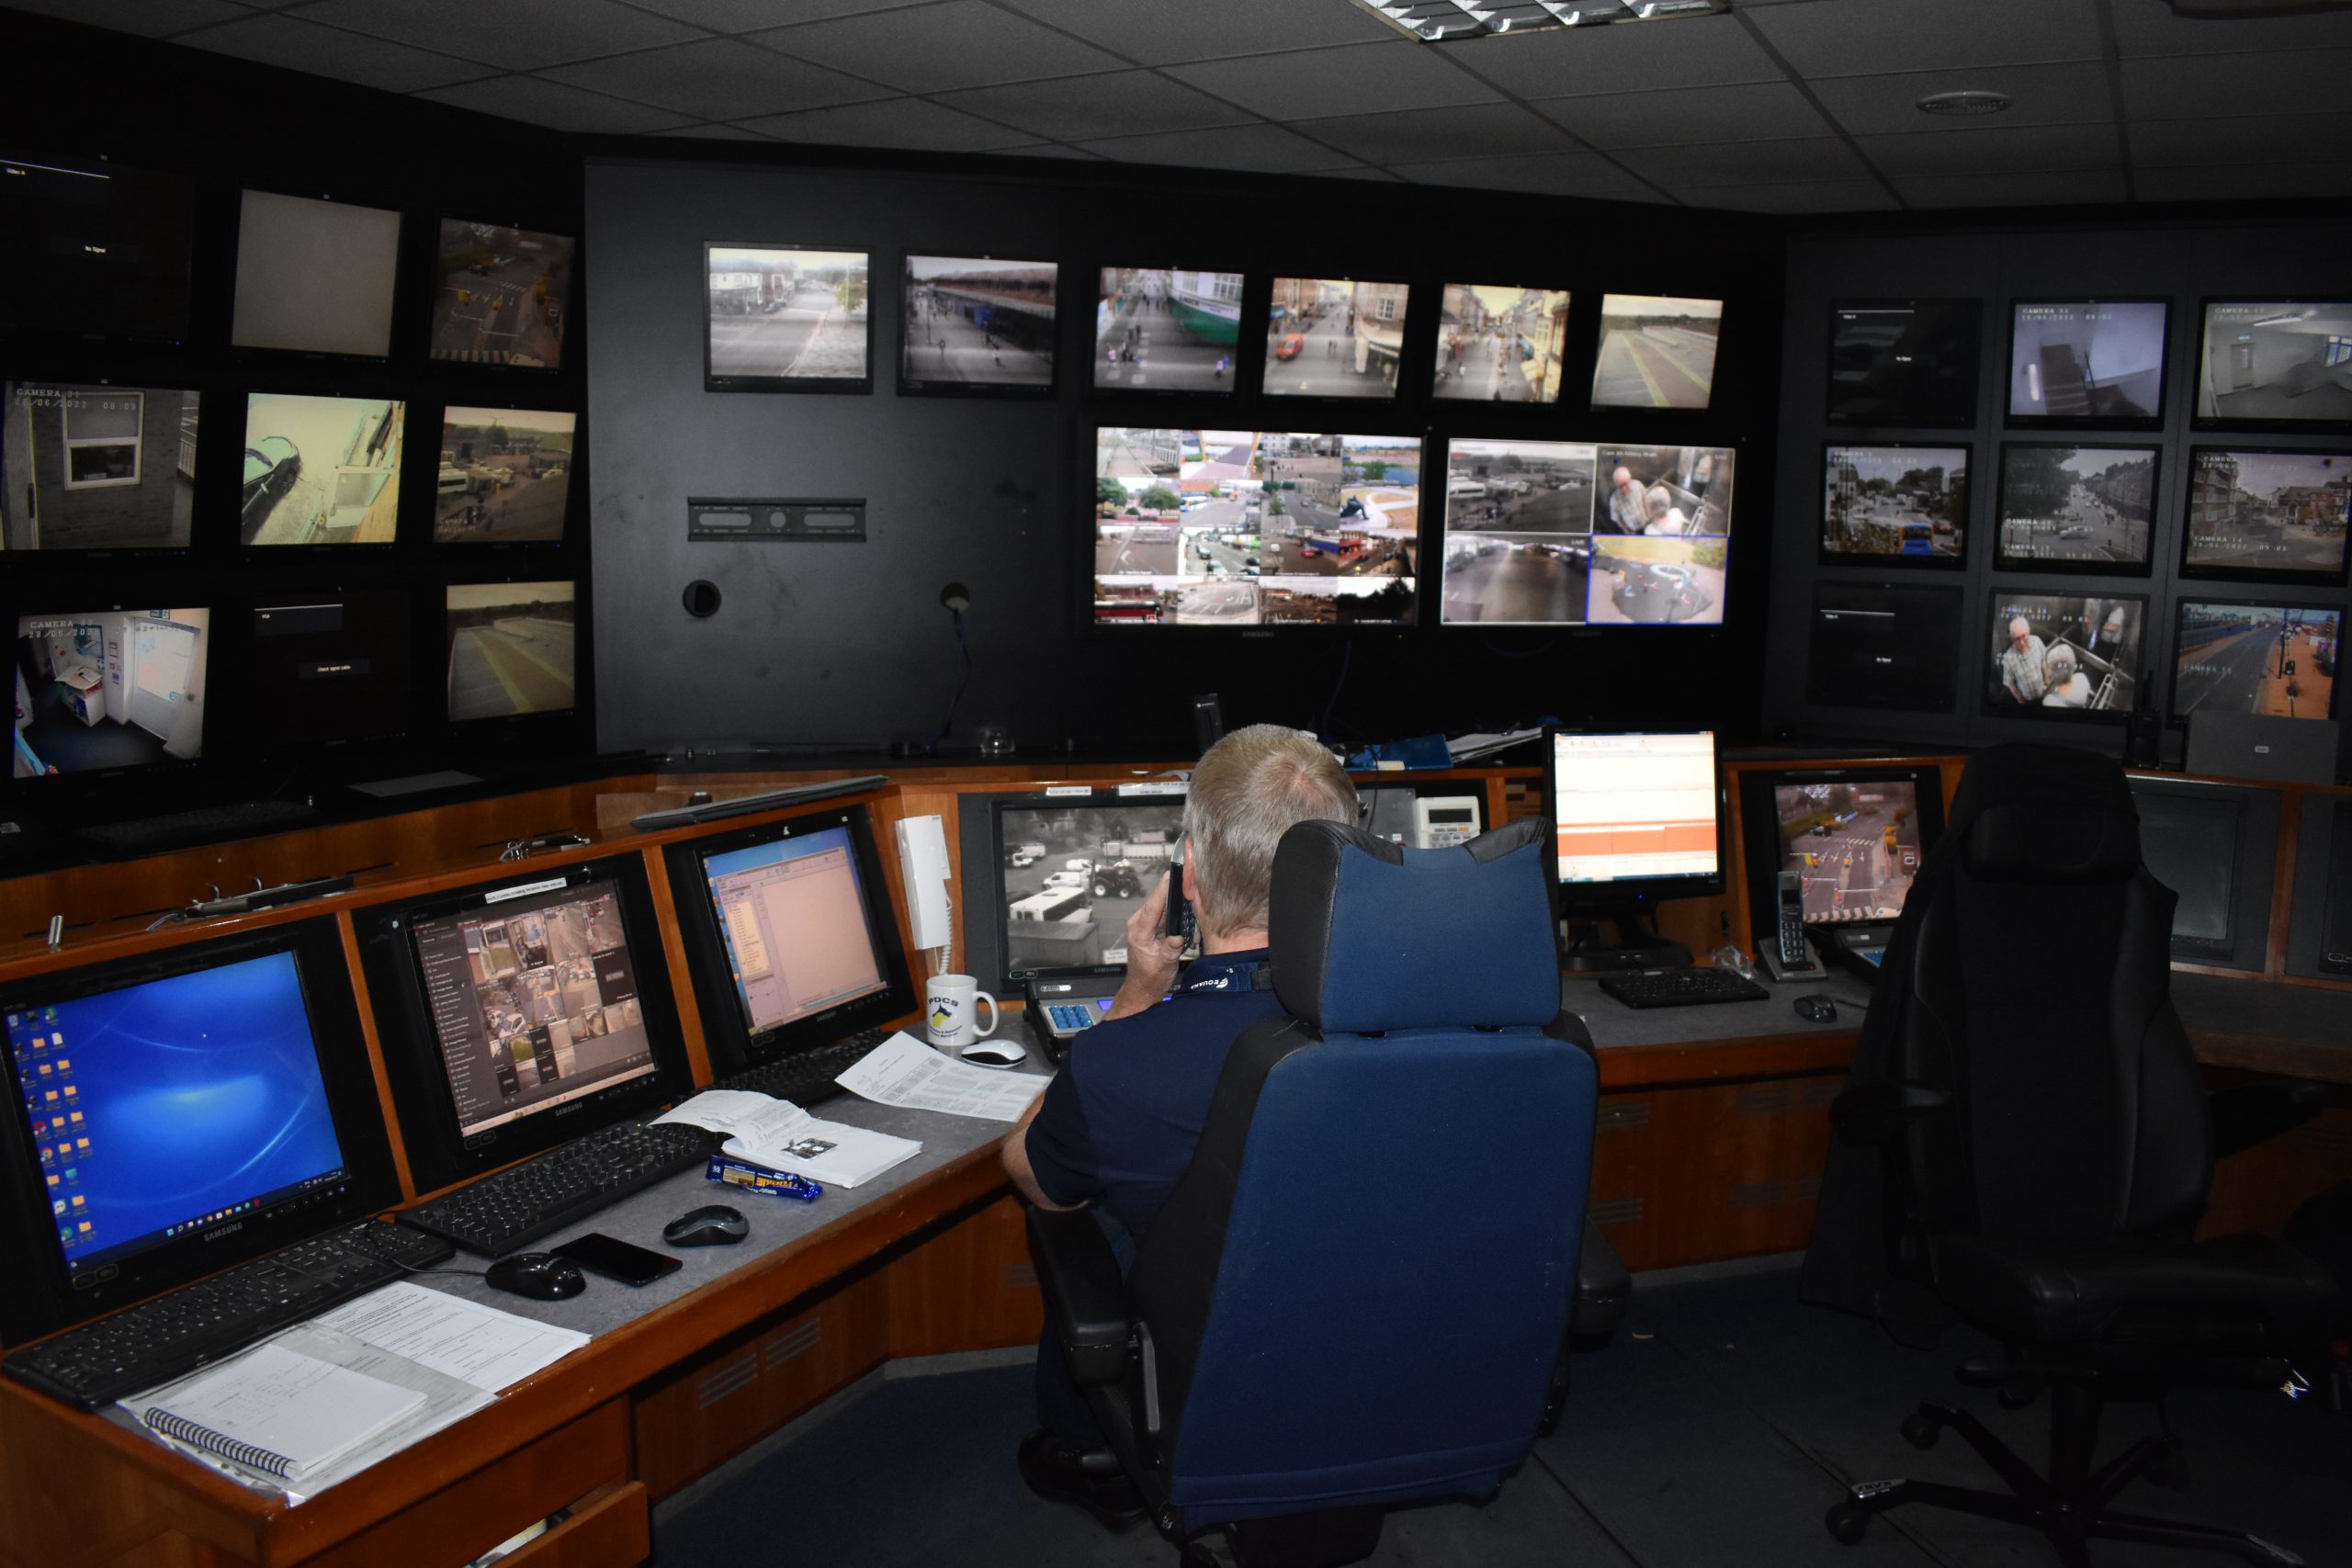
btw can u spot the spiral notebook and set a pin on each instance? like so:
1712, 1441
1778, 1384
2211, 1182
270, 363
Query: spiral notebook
278, 1412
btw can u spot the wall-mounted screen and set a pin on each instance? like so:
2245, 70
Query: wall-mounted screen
504, 476
1883, 644
1157, 329
2087, 362
976, 324
1072, 871
321, 470
315, 276
1657, 351
2266, 514
1908, 505
2276, 363
510, 649
1497, 343
504, 296
328, 668
1904, 363
1334, 337
100, 690
2076, 509
2233, 656
2061, 655
91, 249
90, 467
785, 318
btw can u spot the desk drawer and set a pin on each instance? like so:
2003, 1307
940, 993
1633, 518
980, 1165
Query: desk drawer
610, 1528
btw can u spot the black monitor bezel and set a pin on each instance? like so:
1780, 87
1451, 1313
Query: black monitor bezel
1637, 413
62, 782
2258, 823
1595, 899
404, 505
86, 554
1761, 847
1948, 596
986, 932
488, 726
277, 353
1408, 329
35, 1296
1830, 414
1958, 561
2004, 561
1019, 391
2035, 712
438, 1154
2185, 597
2200, 572
470, 549
726, 1031
501, 369
1227, 395
1435, 336
41, 326
2200, 421
846, 386
2154, 421
269, 739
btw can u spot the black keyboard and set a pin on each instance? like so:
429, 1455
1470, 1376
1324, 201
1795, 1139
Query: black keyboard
522, 1203
183, 1329
148, 835
807, 1077
1692, 987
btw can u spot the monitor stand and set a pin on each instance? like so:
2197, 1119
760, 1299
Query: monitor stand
1638, 946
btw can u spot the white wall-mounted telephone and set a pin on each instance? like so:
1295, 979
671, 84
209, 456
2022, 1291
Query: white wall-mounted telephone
923, 865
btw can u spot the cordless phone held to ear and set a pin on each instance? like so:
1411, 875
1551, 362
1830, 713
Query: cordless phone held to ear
1179, 920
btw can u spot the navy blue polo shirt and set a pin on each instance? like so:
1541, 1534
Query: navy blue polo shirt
1119, 1122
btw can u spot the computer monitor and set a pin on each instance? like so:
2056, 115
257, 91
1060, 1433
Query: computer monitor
95, 468
177, 1112
315, 276
1335, 337
2216, 846
2063, 656
1906, 506
1161, 332
1657, 351
504, 476
1634, 818
2249, 656
328, 668
321, 470
2276, 364
1904, 363
510, 649
1853, 836
520, 1012
109, 691
2087, 362
2086, 510
1500, 343
501, 296
2266, 512
790, 939
92, 249
1049, 879
977, 326
787, 319
1883, 644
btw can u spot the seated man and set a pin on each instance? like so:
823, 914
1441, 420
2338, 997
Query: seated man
1118, 1125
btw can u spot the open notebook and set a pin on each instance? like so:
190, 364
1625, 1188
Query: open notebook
277, 1411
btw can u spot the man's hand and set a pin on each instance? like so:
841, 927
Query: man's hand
1151, 954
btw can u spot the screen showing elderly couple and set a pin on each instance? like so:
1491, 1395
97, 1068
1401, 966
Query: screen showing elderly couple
2057, 653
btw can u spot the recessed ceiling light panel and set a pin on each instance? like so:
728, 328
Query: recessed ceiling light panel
1445, 21
1965, 104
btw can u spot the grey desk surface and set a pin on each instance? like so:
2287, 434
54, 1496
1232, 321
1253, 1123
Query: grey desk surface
1613, 1024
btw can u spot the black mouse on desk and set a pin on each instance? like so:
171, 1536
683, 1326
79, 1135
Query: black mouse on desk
1820, 1008
715, 1224
542, 1276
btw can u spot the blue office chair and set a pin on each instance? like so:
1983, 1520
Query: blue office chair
1359, 1293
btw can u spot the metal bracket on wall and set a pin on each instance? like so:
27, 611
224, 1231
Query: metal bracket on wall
771, 518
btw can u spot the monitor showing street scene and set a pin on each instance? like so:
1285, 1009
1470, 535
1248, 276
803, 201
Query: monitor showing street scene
104, 690
1908, 504
1657, 351
86, 467
1334, 337
509, 648
1073, 874
2266, 514
505, 474
1244, 528
2057, 655
780, 318
1855, 847
2084, 508
976, 324
1883, 644
502, 296
1159, 331
2282, 361
1500, 344
1904, 363
2088, 361
315, 276
321, 470
2278, 660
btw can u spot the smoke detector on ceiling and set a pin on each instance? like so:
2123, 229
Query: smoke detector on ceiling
1965, 104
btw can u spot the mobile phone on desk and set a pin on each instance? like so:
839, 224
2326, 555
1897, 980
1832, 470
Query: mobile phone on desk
1179, 918
618, 1259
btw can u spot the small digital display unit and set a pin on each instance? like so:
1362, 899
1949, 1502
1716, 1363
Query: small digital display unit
1883, 644
2276, 364
330, 667
95, 468
2086, 362
109, 691
1904, 363
92, 249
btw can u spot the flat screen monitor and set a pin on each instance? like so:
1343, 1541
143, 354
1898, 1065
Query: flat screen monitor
1633, 818
109, 691
505, 475
327, 669
2336, 925
1903, 504
789, 936
2276, 364
501, 296
510, 649
315, 276
180, 1111
977, 326
1158, 330
1883, 644
518, 1012
2064, 656
1904, 363
321, 470
1498, 344
1241, 529
1049, 880
1335, 337
2277, 516
2214, 846
2241, 656
1657, 351
2080, 510
1854, 837
787, 319
2087, 362
92, 249
95, 468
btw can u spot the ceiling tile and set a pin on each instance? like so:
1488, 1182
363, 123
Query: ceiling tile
1688, 52
2150, 26
1990, 149
1311, 83
329, 51
1479, 130
552, 104
1114, 104
1767, 162
1867, 38
1551, 174
744, 15
1364, 174
1155, 33
1050, 149
516, 34
1261, 147
963, 43
1666, 117
2245, 182
892, 122
718, 79
2046, 94
717, 133
150, 18
2046, 189
2247, 139
2190, 87
1793, 196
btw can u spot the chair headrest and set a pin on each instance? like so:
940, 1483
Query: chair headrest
1365, 935
2045, 814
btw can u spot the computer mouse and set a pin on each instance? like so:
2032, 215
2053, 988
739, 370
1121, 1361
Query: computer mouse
1821, 1009
714, 1225
542, 1276
995, 1053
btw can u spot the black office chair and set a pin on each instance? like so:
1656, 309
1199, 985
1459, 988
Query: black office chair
1359, 1293
2027, 1146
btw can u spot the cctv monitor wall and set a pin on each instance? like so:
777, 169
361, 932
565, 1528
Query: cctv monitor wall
2266, 512
328, 669
2087, 362
1160, 331
1657, 351
321, 470
314, 276
2245, 657
2276, 364
109, 691
1904, 363
502, 296
1049, 880
2079, 510
1499, 344
95, 468
1335, 337
2063, 656
1907, 505
504, 476
94, 250
975, 326
2215, 846
510, 649
1883, 644
787, 319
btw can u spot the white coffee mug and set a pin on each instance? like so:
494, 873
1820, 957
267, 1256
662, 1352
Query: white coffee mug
947, 1011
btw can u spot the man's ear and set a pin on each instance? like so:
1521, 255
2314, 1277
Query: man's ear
1187, 888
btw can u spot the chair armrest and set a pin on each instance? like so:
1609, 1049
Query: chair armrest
1085, 1295
2249, 1113
1874, 1113
1603, 1287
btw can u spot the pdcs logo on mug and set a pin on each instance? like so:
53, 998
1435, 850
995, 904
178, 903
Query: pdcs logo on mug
948, 1008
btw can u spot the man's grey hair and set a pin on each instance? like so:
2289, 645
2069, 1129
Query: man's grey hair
1247, 792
